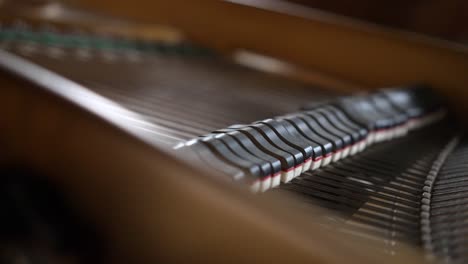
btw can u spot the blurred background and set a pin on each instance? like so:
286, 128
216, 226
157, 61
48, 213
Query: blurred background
440, 19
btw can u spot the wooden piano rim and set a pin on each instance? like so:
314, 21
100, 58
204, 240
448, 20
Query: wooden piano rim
150, 204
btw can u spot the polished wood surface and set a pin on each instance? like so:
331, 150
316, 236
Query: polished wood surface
440, 19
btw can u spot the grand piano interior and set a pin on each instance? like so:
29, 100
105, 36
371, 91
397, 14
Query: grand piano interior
234, 131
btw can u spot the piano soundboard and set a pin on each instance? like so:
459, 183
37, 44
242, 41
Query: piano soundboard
390, 164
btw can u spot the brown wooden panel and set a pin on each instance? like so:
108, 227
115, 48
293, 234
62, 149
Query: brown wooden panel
442, 19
